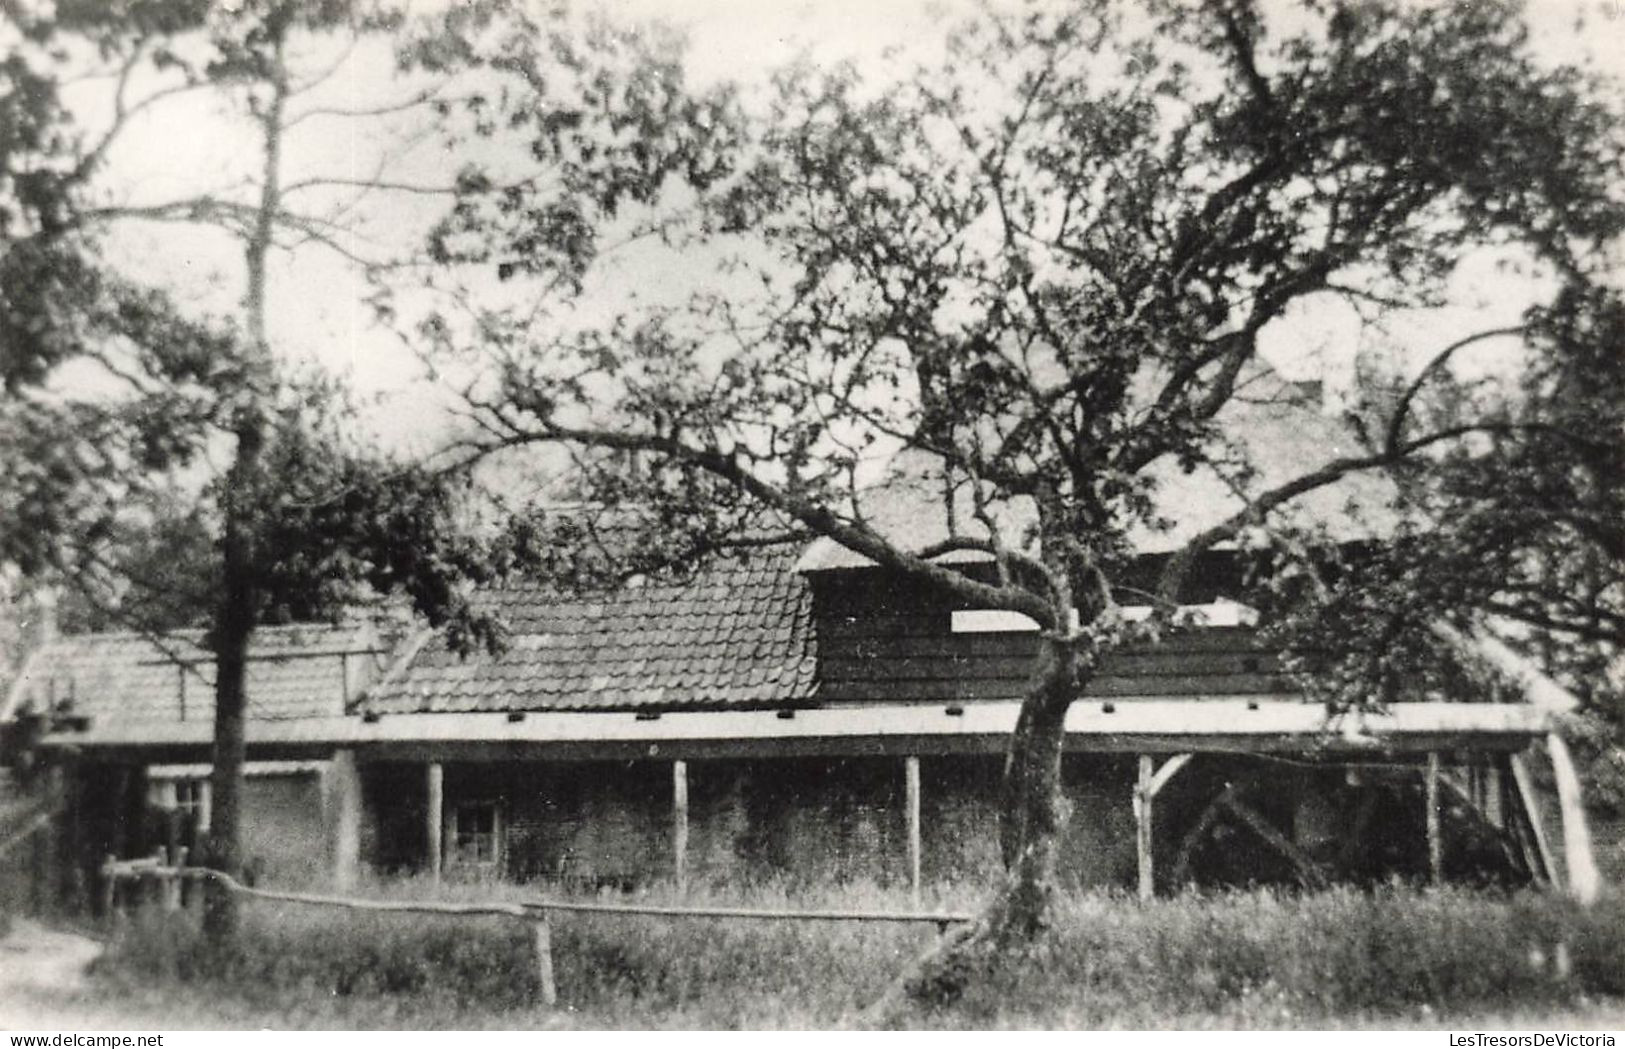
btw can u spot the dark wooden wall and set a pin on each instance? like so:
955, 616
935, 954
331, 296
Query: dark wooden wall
885, 638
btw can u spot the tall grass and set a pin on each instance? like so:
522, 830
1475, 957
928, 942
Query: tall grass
1243, 959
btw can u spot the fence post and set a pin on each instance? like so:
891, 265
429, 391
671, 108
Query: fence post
544, 958
179, 862
158, 886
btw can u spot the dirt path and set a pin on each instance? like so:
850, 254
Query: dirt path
41, 970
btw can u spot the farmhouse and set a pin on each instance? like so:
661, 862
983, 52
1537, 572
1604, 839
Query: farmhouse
806, 714
776, 717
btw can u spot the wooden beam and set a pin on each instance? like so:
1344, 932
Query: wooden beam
1585, 882
1434, 831
1169, 770
1144, 793
344, 794
1531, 807
1309, 872
1494, 797
1149, 726
1538, 687
911, 788
433, 817
1180, 872
679, 823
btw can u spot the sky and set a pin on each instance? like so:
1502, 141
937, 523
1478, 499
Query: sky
317, 316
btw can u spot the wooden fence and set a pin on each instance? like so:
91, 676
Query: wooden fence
167, 883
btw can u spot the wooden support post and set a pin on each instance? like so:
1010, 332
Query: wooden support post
1146, 788
1525, 784
679, 824
1494, 799
1435, 834
344, 812
911, 792
205, 811
1585, 882
432, 818
544, 960
1142, 820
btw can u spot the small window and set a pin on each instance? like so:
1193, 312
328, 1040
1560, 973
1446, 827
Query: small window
188, 796
990, 621
192, 800
995, 621
476, 837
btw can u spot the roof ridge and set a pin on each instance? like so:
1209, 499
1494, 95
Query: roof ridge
192, 633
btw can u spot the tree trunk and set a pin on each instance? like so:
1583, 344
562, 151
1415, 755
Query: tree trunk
1033, 812
233, 627
1032, 815
238, 609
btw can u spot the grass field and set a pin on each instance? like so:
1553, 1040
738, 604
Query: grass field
1255, 960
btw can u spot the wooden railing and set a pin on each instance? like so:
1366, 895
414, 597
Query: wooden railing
169, 881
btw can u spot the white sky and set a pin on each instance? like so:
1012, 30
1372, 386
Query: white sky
187, 145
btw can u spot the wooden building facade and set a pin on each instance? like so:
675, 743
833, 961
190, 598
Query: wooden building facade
780, 720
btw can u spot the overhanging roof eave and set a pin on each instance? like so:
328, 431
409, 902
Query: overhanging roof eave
1231, 724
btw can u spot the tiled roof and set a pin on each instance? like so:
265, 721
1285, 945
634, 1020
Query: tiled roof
739, 634
293, 671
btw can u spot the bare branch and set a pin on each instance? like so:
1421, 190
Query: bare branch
1396, 424
384, 185
858, 538
423, 97
1179, 565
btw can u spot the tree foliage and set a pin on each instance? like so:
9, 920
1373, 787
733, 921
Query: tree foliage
120, 401
1043, 268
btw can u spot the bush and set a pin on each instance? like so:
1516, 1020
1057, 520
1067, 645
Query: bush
1241, 959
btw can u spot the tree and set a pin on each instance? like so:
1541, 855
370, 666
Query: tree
119, 396
1520, 533
121, 393
1043, 266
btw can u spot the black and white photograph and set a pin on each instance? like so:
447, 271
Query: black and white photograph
962, 515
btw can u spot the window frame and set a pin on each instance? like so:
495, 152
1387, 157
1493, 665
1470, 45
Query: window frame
468, 856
